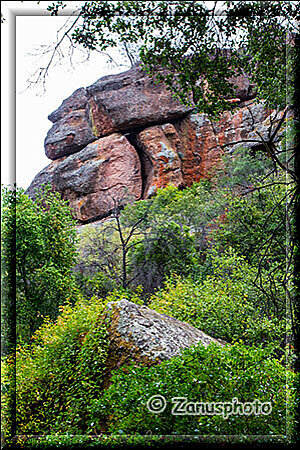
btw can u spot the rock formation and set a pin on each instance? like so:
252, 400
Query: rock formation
112, 104
159, 152
105, 171
203, 141
126, 136
138, 334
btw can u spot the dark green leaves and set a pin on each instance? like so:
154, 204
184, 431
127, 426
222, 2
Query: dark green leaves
44, 236
202, 47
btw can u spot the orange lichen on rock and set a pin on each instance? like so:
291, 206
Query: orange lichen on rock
160, 141
159, 146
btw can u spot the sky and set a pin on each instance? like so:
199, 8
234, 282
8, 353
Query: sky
24, 127
32, 104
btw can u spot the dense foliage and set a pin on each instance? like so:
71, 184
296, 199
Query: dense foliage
139, 248
60, 372
212, 255
42, 233
60, 378
200, 374
170, 249
226, 305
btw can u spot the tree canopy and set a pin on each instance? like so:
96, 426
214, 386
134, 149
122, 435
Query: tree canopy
201, 46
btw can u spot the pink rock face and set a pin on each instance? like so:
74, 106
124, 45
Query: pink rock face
105, 171
114, 103
130, 100
159, 146
203, 141
192, 149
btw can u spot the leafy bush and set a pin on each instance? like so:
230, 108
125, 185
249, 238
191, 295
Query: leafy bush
98, 284
134, 249
192, 207
199, 374
44, 238
60, 372
99, 252
251, 221
243, 168
225, 305
102, 441
169, 249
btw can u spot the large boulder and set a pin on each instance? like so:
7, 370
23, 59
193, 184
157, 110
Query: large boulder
114, 103
130, 100
76, 101
138, 334
105, 171
68, 135
180, 154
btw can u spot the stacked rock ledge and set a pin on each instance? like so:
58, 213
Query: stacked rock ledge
125, 133
93, 178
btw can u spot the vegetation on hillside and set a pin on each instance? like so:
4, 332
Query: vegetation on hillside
212, 255
38, 253
218, 255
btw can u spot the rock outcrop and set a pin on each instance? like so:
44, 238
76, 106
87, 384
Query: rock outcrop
68, 135
105, 171
202, 142
112, 104
159, 152
125, 133
142, 335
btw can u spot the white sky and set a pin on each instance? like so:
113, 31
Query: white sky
33, 106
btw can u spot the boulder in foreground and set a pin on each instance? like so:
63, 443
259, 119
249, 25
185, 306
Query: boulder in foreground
140, 334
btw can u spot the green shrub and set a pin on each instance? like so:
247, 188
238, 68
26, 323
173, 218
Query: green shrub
225, 305
199, 374
255, 225
170, 248
44, 236
102, 441
243, 168
98, 284
192, 207
61, 371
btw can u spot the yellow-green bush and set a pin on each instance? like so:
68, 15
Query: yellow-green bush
232, 374
225, 305
61, 371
